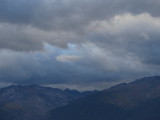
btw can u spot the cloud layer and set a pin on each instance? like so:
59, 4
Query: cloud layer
71, 43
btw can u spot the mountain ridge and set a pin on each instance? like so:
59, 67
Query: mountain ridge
33, 101
138, 100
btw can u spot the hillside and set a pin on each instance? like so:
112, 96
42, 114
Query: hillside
33, 101
139, 100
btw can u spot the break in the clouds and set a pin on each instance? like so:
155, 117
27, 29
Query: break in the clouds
78, 43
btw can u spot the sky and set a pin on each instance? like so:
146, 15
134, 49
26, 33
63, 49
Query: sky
78, 44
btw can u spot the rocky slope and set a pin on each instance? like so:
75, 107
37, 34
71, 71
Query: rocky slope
33, 101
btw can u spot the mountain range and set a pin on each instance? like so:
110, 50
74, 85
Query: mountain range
138, 100
32, 102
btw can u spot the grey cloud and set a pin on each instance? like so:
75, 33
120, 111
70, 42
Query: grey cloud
68, 58
20, 68
16, 66
133, 36
27, 38
95, 69
27, 24
18, 11
23, 68
118, 39
70, 15
19, 38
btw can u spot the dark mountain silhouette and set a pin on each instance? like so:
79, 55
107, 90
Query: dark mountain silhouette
139, 100
33, 101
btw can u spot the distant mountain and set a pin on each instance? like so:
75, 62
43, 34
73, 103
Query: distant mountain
31, 102
139, 100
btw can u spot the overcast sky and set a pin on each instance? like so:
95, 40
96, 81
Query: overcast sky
78, 44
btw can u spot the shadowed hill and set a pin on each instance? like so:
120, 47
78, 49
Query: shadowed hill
139, 100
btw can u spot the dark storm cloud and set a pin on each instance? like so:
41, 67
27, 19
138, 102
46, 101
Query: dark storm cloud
97, 42
95, 70
31, 69
15, 11
19, 68
70, 14
66, 20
